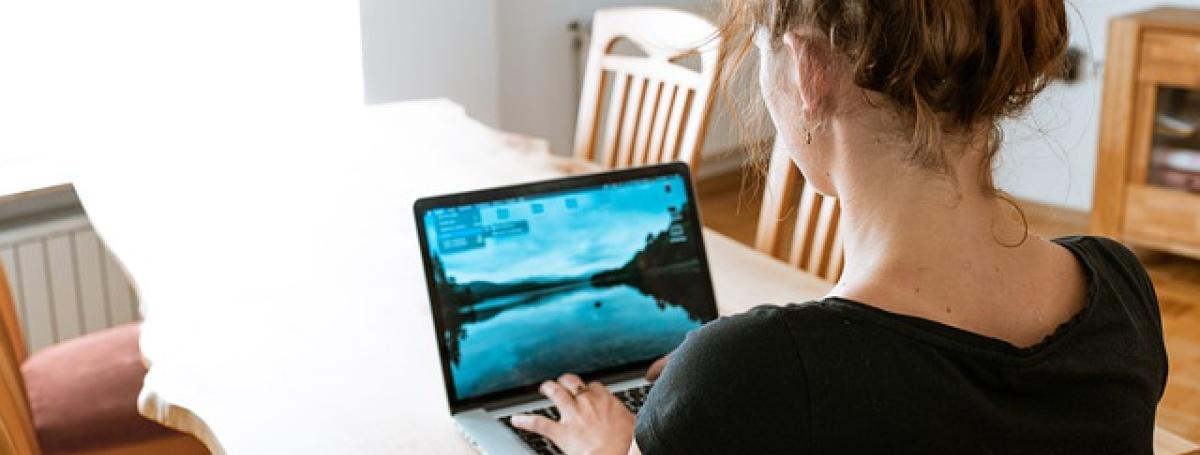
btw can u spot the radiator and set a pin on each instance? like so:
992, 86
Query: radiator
64, 281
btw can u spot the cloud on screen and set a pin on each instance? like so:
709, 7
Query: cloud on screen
605, 229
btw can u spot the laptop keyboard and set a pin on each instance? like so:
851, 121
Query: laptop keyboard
632, 398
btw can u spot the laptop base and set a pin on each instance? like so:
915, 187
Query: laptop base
483, 429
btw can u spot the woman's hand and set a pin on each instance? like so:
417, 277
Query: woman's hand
593, 421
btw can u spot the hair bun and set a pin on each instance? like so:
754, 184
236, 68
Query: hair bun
950, 66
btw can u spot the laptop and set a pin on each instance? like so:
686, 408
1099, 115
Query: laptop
597, 275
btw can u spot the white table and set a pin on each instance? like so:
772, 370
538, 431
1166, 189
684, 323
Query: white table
283, 294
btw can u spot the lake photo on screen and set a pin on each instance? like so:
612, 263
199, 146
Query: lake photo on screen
578, 281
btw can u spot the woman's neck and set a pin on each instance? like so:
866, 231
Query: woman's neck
914, 239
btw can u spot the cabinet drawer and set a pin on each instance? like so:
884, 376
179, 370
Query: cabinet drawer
1171, 48
1163, 218
1172, 58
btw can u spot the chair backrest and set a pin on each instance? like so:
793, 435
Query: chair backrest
16, 422
815, 243
657, 109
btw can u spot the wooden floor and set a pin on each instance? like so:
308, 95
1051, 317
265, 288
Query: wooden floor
731, 206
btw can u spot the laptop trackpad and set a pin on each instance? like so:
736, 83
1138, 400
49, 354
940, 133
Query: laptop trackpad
489, 435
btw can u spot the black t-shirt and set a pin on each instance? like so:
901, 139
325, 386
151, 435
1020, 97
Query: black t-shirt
840, 377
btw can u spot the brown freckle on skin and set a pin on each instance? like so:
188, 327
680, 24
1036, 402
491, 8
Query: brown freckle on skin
947, 309
918, 290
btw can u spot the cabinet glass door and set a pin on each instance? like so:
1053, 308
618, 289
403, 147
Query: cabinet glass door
1175, 148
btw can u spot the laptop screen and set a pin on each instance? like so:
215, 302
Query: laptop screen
581, 280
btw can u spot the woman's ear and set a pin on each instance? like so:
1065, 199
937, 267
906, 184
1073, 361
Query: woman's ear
808, 73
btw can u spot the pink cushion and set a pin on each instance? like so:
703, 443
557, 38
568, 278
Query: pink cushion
83, 392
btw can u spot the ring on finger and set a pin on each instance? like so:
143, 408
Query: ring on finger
579, 390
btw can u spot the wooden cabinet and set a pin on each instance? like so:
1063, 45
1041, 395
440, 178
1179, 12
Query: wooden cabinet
1147, 189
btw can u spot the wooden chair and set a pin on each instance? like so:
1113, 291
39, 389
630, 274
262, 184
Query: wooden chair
33, 427
815, 244
657, 107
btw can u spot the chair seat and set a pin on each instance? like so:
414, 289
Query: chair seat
83, 393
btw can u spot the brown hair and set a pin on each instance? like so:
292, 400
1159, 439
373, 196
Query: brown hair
948, 67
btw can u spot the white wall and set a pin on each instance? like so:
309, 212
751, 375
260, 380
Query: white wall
415, 49
539, 92
1050, 155
510, 63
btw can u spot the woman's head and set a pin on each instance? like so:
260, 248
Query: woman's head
945, 71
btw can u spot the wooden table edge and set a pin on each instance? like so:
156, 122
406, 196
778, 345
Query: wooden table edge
153, 406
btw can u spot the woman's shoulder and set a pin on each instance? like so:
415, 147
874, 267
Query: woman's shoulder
1111, 262
1098, 247
739, 378
766, 335
1101, 250
777, 315
764, 322
761, 326
729, 383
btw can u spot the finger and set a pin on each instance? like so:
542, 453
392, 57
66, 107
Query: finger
597, 389
603, 399
559, 396
572, 384
656, 368
537, 424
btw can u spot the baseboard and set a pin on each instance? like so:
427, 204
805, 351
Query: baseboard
719, 163
1052, 220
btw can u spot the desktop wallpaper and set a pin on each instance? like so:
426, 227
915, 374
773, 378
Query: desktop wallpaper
576, 281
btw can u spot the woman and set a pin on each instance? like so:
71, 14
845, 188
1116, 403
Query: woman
951, 329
